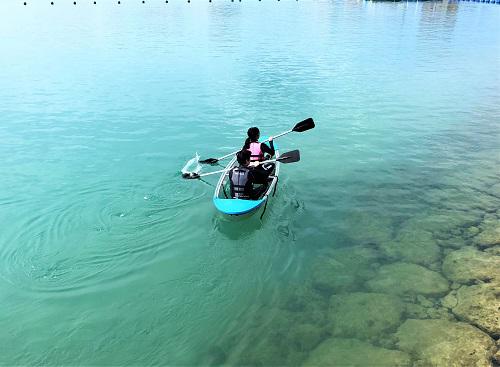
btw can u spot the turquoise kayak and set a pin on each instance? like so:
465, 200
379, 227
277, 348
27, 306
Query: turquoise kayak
229, 206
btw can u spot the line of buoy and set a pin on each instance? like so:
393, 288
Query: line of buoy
480, 1
189, 1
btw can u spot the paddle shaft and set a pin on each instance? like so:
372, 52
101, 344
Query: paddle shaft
227, 170
212, 173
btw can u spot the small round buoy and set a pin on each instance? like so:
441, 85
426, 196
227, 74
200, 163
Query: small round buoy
74, 2
51, 3
119, 2
189, 1
25, 3
143, 1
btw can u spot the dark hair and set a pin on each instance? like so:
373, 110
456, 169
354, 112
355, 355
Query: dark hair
253, 135
243, 156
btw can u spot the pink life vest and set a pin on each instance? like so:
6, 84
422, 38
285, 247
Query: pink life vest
257, 154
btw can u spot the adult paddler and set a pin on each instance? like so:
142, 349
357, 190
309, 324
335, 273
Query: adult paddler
243, 178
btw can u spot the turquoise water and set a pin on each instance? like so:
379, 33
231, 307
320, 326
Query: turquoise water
108, 257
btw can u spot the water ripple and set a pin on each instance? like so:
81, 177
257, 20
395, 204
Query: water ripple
90, 238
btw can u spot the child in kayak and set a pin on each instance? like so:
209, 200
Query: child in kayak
257, 154
256, 148
243, 178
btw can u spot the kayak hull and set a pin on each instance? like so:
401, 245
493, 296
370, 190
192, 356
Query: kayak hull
236, 207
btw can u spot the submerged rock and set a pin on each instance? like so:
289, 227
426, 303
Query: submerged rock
454, 242
304, 337
353, 353
404, 278
442, 224
478, 305
364, 315
415, 246
275, 337
268, 351
490, 232
495, 250
471, 231
417, 311
469, 265
344, 268
465, 198
495, 190
445, 343
496, 356
366, 228
305, 304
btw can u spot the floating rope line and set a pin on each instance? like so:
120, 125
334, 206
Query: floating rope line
189, 1
210, 1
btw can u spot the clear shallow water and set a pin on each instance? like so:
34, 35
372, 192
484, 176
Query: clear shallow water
108, 257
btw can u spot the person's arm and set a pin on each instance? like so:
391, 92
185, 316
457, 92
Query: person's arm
268, 149
257, 175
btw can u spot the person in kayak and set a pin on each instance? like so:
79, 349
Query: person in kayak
257, 154
256, 148
243, 178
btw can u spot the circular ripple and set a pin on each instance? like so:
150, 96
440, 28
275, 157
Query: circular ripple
94, 236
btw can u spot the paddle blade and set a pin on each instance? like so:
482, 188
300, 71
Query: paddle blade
209, 161
289, 157
190, 175
305, 125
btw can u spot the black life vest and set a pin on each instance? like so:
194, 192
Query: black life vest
240, 185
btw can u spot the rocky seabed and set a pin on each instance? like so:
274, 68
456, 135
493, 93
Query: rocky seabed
427, 293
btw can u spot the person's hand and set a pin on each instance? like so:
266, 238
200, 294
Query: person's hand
254, 164
270, 139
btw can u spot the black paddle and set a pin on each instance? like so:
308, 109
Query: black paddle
288, 157
300, 127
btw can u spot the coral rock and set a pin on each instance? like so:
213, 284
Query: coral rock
365, 315
469, 265
490, 232
480, 305
345, 268
404, 278
445, 343
353, 353
415, 246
